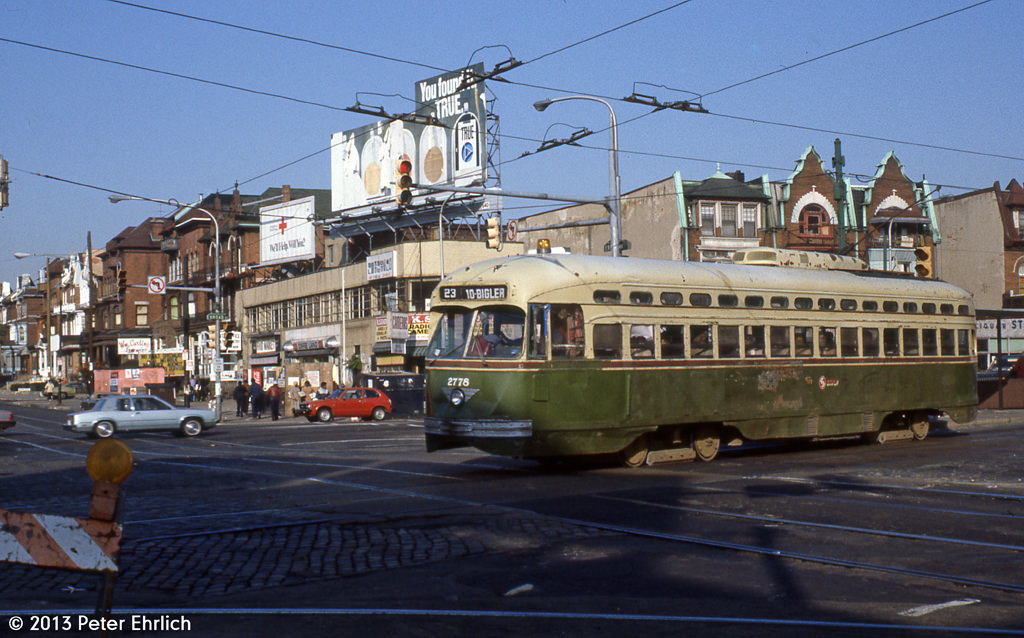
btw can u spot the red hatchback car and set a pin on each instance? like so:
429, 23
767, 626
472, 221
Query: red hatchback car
365, 403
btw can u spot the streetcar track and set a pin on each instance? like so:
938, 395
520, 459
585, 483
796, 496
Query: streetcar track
646, 533
811, 524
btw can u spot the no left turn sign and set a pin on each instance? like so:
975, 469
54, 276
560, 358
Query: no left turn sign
157, 285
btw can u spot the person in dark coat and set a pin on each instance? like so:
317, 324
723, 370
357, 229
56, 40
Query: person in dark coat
256, 399
241, 396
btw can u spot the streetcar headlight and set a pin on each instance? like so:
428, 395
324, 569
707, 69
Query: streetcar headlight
458, 397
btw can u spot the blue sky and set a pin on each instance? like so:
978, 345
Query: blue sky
949, 83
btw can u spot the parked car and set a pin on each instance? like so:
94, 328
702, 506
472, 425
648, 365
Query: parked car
142, 412
6, 420
365, 403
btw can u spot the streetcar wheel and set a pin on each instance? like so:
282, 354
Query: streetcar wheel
706, 442
191, 427
324, 415
379, 413
919, 428
634, 454
103, 430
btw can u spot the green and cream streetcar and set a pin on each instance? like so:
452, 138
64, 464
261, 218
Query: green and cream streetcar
558, 355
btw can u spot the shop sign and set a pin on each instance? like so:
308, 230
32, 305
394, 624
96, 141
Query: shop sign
419, 326
398, 346
380, 266
265, 346
380, 325
398, 325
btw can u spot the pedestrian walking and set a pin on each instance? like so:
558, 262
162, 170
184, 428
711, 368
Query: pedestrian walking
256, 399
275, 395
241, 396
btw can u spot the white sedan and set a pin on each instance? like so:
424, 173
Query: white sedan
143, 412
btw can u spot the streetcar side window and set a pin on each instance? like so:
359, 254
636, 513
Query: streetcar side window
891, 341
672, 342
702, 342
826, 303
827, 342
929, 343
890, 306
607, 296
849, 342
607, 341
779, 338
728, 342
870, 306
780, 302
911, 347
671, 298
963, 342
869, 341
804, 339
641, 341
567, 340
947, 341
910, 306
728, 301
701, 299
753, 341
638, 298
803, 303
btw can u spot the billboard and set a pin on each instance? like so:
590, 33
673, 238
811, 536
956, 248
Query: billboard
451, 151
287, 232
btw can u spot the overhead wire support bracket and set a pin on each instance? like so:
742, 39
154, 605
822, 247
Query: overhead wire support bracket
653, 102
366, 110
469, 78
571, 140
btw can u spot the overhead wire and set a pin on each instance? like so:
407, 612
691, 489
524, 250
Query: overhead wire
543, 56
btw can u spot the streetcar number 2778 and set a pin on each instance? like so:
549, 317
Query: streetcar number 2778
458, 382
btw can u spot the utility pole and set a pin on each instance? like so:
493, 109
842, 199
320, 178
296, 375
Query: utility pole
839, 191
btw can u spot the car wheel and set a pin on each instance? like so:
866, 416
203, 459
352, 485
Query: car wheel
191, 427
324, 415
379, 413
103, 430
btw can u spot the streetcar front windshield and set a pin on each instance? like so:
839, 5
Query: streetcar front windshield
492, 333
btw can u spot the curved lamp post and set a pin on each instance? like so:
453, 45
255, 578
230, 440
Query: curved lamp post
614, 195
218, 364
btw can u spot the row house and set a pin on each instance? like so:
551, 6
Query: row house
983, 244
21, 307
883, 222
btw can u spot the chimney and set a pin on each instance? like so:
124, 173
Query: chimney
737, 175
286, 193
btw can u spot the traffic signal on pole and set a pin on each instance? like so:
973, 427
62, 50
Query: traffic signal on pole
122, 281
403, 182
494, 232
925, 266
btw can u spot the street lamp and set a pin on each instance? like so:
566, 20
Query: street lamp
614, 195
218, 364
51, 355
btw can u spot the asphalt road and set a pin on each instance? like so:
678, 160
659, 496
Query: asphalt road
288, 528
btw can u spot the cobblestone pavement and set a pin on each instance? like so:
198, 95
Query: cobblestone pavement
196, 566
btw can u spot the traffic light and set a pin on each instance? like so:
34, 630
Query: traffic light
925, 266
494, 232
403, 182
122, 281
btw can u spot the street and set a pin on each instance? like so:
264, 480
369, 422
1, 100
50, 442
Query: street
284, 528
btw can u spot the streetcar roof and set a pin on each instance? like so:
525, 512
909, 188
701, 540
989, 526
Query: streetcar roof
530, 276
